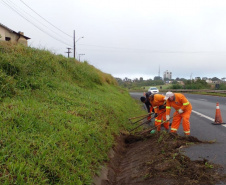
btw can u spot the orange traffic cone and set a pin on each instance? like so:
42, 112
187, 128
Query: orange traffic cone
218, 118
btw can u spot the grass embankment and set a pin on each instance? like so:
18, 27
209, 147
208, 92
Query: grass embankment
58, 117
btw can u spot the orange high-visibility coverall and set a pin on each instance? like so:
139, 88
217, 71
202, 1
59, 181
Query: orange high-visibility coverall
156, 102
180, 102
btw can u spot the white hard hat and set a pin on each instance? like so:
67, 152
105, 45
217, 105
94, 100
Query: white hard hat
168, 94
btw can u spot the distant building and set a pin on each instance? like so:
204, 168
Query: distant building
167, 74
180, 82
6, 34
168, 81
197, 78
209, 81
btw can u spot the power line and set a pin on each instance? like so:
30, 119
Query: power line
155, 51
46, 20
19, 9
33, 23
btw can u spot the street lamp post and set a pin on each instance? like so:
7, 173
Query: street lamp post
79, 56
75, 43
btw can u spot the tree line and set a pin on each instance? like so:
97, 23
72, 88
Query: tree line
178, 83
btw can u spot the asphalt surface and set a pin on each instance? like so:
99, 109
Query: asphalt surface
202, 117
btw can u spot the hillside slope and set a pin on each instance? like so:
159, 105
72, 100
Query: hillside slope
58, 117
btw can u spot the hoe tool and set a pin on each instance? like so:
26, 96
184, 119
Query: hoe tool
148, 121
146, 115
143, 117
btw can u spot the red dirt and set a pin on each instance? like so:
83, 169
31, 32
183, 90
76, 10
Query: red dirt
143, 159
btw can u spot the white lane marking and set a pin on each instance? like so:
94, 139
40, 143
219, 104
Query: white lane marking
202, 115
207, 117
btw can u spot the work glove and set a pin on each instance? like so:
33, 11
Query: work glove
149, 117
155, 115
162, 107
180, 111
167, 117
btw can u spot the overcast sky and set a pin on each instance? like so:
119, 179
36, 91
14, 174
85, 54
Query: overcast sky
128, 38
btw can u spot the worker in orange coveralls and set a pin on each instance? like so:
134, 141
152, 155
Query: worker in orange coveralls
183, 111
158, 103
145, 100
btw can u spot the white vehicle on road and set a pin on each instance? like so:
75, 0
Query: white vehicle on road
153, 90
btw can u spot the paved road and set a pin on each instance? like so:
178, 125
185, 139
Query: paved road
202, 117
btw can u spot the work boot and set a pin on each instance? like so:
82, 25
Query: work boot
187, 136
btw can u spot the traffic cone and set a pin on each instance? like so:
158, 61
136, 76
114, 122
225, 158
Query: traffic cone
218, 118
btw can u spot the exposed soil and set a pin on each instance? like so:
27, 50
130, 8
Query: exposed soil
145, 158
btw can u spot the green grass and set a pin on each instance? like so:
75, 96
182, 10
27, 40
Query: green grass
58, 117
211, 94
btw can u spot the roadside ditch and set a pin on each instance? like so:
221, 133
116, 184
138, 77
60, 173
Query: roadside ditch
144, 158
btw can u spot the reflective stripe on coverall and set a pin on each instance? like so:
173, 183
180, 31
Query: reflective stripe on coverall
180, 102
156, 102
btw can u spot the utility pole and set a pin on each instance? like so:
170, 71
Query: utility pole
191, 77
68, 52
74, 44
79, 56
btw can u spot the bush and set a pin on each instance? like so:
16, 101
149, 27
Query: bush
222, 87
175, 86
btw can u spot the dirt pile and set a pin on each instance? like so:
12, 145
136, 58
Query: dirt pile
155, 159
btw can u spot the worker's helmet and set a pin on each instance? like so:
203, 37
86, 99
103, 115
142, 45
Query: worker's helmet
168, 94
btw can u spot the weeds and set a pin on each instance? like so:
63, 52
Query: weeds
208, 165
